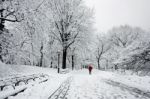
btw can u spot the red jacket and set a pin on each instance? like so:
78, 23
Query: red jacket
90, 67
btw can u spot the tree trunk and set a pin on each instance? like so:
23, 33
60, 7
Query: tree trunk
1, 58
31, 57
64, 58
1, 31
51, 64
98, 64
41, 58
106, 64
72, 62
116, 67
2, 21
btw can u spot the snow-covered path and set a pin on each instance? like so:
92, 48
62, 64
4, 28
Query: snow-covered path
80, 85
93, 86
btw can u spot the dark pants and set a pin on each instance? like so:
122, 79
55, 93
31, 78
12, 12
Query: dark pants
90, 72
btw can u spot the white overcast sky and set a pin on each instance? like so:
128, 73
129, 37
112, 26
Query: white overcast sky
109, 13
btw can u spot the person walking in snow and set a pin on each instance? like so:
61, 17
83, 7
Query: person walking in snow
90, 69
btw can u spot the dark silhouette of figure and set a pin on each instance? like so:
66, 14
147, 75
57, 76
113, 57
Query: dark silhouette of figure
90, 69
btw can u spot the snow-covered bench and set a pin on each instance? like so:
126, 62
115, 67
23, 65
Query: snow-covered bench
6, 94
11, 83
19, 89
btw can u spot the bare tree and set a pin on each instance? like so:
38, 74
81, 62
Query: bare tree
70, 18
102, 46
124, 35
127, 40
9, 12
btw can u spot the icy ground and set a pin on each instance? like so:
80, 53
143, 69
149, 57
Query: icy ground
80, 85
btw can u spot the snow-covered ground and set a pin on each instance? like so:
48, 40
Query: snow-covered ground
10, 70
43, 90
93, 86
35, 91
99, 85
140, 82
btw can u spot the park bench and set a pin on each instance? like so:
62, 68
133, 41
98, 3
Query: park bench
11, 83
